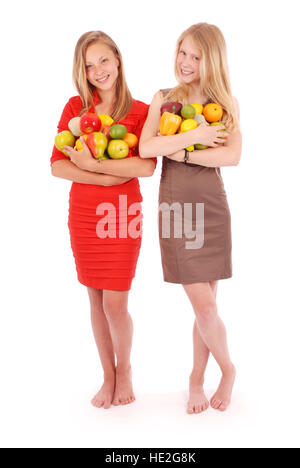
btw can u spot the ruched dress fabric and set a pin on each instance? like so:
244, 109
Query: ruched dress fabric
105, 260
188, 184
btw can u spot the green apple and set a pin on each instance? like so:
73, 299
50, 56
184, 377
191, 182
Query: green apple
64, 138
117, 149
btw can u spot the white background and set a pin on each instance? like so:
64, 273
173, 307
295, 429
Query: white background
49, 364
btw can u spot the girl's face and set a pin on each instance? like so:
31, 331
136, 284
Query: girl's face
188, 61
102, 66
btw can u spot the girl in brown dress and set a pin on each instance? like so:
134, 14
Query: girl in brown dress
193, 199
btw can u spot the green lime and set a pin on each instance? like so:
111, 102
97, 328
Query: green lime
214, 124
198, 146
117, 132
188, 112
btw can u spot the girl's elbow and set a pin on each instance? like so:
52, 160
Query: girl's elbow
142, 152
235, 161
148, 170
237, 158
53, 170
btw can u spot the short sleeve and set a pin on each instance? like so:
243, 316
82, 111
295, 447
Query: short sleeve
67, 114
140, 125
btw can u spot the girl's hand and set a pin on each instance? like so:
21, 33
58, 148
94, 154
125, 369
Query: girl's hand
209, 135
82, 159
178, 156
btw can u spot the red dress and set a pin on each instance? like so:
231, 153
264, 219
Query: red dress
105, 252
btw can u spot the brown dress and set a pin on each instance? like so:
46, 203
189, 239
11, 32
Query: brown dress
188, 257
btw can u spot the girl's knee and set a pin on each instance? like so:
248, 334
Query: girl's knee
206, 312
114, 309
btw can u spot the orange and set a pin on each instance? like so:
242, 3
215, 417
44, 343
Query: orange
131, 140
213, 112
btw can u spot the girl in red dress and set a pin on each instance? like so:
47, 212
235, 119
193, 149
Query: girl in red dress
105, 193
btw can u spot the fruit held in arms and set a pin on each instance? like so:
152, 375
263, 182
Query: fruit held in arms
90, 123
198, 108
74, 126
188, 112
200, 147
169, 123
213, 112
97, 143
199, 118
131, 140
187, 125
105, 130
117, 132
223, 129
106, 119
117, 149
173, 107
78, 143
64, 138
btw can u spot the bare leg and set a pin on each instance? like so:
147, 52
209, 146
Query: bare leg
213, 334
115, 305
105, 348
197, 400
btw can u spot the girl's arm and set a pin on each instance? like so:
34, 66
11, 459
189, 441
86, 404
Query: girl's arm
67, 170
228, 154
151, 144
128, 167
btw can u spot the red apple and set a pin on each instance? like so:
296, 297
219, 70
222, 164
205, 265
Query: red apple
90, 123
105, 129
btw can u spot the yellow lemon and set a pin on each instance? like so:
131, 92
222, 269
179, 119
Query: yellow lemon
190, 148
188, 124
198, 108
106, 119
78, 143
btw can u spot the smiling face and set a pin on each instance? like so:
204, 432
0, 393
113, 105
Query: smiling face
188, 61
101, 66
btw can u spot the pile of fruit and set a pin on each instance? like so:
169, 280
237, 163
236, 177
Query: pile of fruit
176, 118
105, 139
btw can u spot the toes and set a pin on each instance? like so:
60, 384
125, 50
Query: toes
223, 406
116, 402
106, 405
215, 403
97, 403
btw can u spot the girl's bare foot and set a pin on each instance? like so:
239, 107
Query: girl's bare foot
222, 397
105, 395
197, 402
123, 391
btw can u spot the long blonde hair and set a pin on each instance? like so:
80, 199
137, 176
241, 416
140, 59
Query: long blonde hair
214, 73
85, 89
